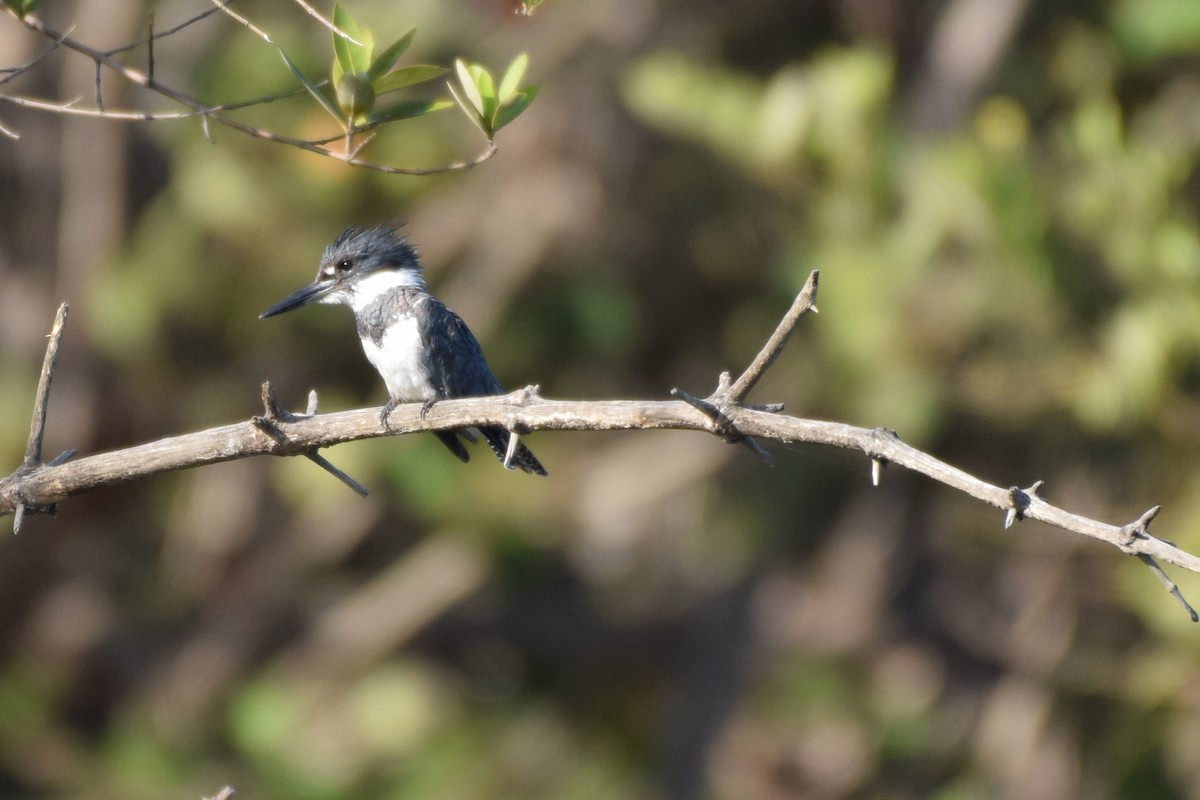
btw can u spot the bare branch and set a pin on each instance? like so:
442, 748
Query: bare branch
532, 413
36, 487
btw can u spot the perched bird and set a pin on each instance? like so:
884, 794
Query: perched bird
422, 349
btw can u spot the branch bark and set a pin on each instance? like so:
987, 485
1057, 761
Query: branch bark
36, 486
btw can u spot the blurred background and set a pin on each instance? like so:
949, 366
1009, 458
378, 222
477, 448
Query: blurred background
1001, 196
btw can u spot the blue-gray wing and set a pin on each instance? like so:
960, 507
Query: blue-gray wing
455, 364
457, 368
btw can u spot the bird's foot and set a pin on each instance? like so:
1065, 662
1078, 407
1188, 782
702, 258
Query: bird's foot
388, 408
425, 406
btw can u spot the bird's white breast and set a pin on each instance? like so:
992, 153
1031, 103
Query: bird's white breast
397, 357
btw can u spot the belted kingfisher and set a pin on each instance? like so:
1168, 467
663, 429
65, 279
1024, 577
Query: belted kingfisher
422, 349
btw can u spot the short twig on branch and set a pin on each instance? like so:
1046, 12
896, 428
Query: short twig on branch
275, 413
730, 395
37, 427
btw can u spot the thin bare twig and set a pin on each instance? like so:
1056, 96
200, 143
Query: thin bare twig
37, 428
803, 304
17, 70
153, 35
214, 112
70, 108
327, 23
723, 404
223, 5
150, 51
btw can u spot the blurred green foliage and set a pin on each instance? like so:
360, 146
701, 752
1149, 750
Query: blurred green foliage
1010, 278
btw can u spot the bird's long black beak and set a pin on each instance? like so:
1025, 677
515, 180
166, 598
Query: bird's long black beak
303, 296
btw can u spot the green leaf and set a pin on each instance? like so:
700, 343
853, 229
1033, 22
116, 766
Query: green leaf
353, 57
406, 111
470, 89
471, 112
388, 58
326, 102
336, 72
512, 106
362, 55
407, 76
512, 77
487, 90
341, 45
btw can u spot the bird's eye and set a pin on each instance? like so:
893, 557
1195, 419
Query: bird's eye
344, 265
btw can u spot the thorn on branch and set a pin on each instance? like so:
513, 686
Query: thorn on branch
758, 450
514, 439
62, 458
1138, 529
714, 408
1020, 500
703, 406
23, 509
878, 462
526, 395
